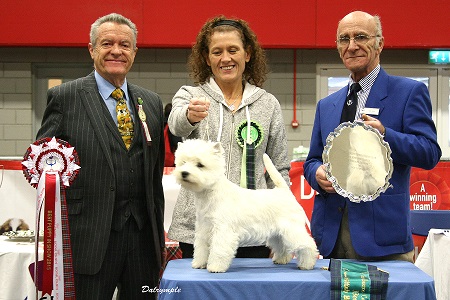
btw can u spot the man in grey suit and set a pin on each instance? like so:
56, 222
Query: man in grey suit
116, 203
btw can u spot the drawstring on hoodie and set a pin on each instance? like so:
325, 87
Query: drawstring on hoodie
248, 151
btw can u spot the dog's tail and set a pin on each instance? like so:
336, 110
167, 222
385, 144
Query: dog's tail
273, 172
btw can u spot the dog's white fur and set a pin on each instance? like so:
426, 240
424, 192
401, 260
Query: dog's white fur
228, 216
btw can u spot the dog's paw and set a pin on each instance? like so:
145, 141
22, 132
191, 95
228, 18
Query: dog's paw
216, 268
282, 260
198, 265
306, 267
307, 263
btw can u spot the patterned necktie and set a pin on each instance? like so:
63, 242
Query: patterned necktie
349, 111
124, 121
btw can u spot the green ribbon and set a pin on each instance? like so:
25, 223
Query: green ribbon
248, 180
356, 281
243, 182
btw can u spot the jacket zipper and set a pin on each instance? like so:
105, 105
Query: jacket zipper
230, 147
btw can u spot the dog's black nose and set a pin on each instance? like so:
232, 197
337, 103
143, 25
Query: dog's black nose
184, 174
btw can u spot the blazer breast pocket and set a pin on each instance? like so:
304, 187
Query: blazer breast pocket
74, 201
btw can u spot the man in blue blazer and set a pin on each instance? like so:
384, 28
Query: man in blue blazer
400, 109
116, 203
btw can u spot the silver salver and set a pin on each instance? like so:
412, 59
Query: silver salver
358, 161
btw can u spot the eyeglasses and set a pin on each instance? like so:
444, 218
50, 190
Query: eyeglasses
360, 39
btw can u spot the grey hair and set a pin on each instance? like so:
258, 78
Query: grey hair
378, 31
114, 18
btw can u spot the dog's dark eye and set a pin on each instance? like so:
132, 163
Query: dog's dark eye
200, 165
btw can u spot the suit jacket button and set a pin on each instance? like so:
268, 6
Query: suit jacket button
340, 209
111, 188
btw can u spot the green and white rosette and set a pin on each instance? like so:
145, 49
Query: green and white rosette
248, 138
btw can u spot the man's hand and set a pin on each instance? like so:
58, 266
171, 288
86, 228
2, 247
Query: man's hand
322, 180
375, 123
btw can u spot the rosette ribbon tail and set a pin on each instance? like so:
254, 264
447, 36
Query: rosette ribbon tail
50, 255
54, 276
69, 281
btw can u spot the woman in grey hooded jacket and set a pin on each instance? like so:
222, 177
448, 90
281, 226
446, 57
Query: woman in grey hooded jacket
228, 105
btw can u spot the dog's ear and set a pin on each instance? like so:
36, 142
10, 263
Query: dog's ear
5, 227
23, 225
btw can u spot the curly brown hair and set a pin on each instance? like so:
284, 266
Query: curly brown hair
256, 69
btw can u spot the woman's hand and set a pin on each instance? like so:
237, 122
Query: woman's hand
197, 109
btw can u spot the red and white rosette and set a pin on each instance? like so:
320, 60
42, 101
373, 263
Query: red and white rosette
48, 163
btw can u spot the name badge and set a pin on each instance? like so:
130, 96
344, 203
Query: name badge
370, 111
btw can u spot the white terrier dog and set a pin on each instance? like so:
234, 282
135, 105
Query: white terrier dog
229, 216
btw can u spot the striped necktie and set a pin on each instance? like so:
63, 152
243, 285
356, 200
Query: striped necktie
124, 121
